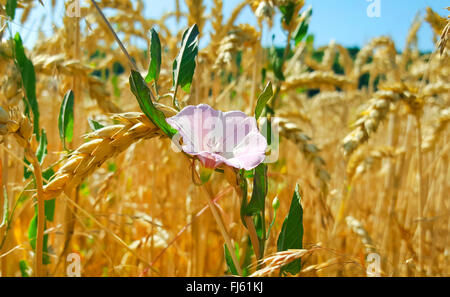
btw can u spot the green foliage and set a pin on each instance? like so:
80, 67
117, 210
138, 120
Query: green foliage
302, 28
28, 75
243, 186
94, 124
287, 12
291, 235
10, 8
276, 63
66, 118
41, 151
155, 58
263, 98
231, 267
25, 270
5, 208
142, 93
184, 64
32, 234
259, 193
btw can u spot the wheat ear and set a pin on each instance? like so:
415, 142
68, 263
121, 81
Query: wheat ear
104, 144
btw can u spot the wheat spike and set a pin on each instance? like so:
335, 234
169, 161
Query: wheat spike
310, 151
359, 230
104, 144
431, 140
278, 260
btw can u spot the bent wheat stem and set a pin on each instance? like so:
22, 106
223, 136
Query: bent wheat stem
39, 269
221, 225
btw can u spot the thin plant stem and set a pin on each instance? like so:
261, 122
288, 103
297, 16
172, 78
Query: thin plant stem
38, 265
221, 225
130, 60
253, 236
420, 194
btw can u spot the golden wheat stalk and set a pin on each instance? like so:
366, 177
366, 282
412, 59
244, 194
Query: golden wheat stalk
276, 261
48, 65
20, 127
359, 161
310, 151
104, 144
441, 124
362, 233
364, 54
316, 79
368, 123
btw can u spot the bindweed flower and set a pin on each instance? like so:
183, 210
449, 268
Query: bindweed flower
218, 138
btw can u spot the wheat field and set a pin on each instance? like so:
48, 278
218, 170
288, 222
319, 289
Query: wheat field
89, 173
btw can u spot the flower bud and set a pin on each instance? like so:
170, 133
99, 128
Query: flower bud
275, 203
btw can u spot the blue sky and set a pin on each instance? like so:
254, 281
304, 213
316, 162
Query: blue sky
345, 21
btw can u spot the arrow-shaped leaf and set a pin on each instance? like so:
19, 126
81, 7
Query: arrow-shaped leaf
11, 6
302, 28
184, 64
263, 98
291, 235
65, 119
155, 58
94, 124
142, 93
28, 75
257, 201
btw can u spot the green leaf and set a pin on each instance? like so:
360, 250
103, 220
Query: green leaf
243, 185
32, 233
287, 12
28, 75
94, 124
232, 268
276, 63
257, 202
263, 98
11, 6
66, 118
155, 58
142, 93
25, 270
5, 208
247, 258
48, 173
41, 151
291, 235
256, 206
26, 172
184, 64
115, 84
112, 167
302, 28
50, 209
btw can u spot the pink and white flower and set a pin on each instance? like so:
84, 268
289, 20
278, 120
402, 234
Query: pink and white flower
218, 138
